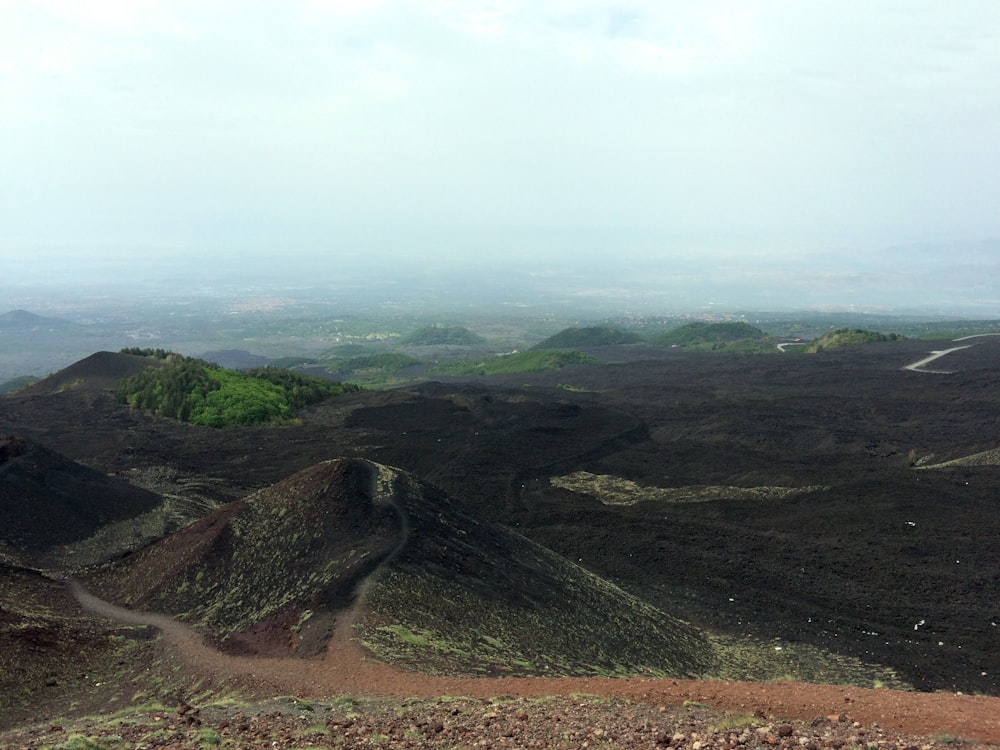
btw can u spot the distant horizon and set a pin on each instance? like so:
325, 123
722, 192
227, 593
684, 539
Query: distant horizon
549, 272
653, 155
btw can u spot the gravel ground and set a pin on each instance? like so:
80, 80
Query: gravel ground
556, 722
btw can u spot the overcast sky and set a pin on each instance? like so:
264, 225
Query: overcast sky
748, 127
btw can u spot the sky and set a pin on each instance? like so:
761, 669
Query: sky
744, 133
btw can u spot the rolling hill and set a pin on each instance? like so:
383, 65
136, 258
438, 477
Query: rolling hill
708, 335
437, 335
22, 320
847, 337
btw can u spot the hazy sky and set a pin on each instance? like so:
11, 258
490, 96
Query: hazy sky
750, 126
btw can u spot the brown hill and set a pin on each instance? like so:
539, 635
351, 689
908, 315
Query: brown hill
247, 571
273, 572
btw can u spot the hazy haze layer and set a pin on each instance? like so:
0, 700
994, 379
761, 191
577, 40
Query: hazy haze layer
745, 153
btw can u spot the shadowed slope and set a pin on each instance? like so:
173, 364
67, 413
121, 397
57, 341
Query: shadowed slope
46, 500
98, 372
470, 597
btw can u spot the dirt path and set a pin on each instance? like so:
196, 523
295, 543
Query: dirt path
344, 669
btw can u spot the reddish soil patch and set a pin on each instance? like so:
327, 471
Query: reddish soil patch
344, 669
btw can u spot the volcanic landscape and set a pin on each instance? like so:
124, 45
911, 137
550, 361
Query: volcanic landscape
665, 526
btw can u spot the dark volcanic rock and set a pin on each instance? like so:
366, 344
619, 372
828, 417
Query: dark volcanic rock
48, 500
98, 372
851, 568
272, 574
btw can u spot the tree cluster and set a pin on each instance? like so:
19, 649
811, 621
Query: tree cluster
195, 391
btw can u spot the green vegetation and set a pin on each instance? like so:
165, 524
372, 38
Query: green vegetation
847, 337
387, 363
79, 742
572, 338
739, 337
438, 335
727, 722
368, 369
287, 363
16, 384
154, 353
195, 391
535, 360
209, 737
346, 351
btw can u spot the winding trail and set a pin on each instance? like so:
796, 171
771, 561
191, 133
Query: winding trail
344, 669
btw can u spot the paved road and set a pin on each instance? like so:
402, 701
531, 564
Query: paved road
918, 366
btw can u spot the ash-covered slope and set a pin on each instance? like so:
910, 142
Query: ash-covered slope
253, 572
435, 588
48, 501
100, 371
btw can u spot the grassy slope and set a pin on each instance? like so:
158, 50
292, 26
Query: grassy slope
535, 360
847, 337
575, 338
437, 335
735, 337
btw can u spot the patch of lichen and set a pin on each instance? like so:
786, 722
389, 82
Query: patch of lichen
303, 544
613, 490
759, 660
580, 625
280, 554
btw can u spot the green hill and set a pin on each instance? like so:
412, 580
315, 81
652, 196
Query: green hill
576, 338
443, 335
372, 370
387, 363
534, 360
712, 336
16, 384
847, 337
195, 391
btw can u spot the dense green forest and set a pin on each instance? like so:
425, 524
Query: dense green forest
848, 337
195, 391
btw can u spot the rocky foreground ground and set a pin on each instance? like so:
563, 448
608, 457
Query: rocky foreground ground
576, 721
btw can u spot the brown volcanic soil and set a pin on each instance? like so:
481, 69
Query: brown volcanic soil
889, 563
644, 713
